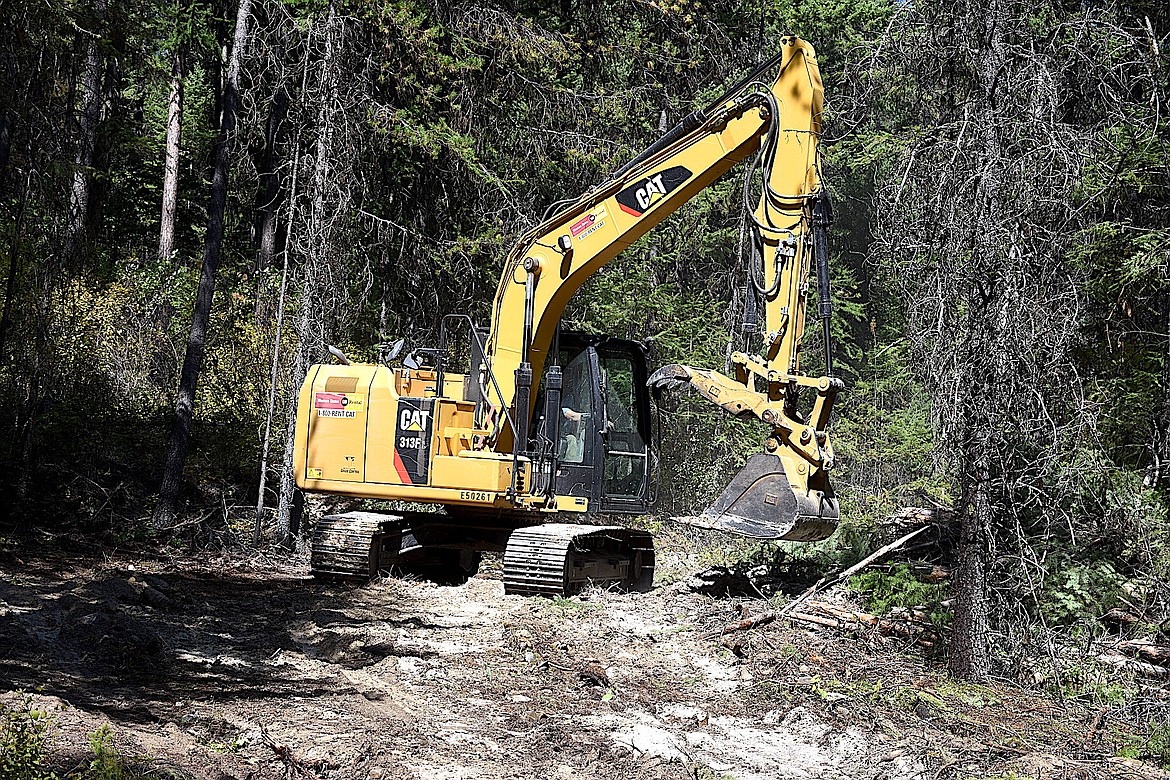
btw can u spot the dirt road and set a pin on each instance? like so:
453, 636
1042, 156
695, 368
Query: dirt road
261, 672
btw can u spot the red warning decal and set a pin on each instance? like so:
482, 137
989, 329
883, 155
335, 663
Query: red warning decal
346, 405
583, 224
329, 401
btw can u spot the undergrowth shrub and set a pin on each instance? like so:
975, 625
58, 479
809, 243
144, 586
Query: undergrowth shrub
883, 592
1154, 745
25, 751
25, 733
1079, 591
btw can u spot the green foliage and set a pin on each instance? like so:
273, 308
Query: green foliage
899, 588
1079, 590
1154, 745
25, 733
107, 762
1125, 271
1083, 677
884, 438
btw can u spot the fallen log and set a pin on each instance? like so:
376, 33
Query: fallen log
1118, 618
1145, 651
759, 619
801, 617
1139, 668
833, 616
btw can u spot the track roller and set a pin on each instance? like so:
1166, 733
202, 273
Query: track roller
560, 559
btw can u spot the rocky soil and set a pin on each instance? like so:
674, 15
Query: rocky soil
234, 669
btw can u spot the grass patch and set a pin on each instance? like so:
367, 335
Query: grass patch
1152, 746
572, 605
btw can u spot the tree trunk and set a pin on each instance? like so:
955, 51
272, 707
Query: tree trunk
13, 270
166, 234
970, 657
287, 519
290, 503
213, 251
91, 105
1156, 472
271, 408
308, 318
268, 198
970, 650
274, 376
5, 144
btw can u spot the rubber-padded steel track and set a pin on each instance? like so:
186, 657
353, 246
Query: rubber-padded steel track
349, 545
560, 559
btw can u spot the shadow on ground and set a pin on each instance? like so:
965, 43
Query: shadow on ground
136, 646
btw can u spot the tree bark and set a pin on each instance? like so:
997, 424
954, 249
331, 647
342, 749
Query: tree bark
287, 515
91, 104
164, 513
268, 198
5, 144
970, 650
270, 409
309, 325
170, 197
13, 270
274, 376
1156, 472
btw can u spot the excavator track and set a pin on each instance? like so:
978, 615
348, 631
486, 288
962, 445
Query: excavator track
556, 559
350, 545
561, 559
360, 545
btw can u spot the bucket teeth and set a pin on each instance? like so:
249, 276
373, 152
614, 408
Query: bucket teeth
669, 377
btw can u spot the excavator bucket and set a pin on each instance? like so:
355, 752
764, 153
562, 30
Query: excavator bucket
760, 503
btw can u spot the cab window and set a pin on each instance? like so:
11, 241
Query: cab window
575, 444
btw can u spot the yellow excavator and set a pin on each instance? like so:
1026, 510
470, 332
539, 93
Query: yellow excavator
548, 429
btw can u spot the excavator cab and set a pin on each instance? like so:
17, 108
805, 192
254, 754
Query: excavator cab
603, 441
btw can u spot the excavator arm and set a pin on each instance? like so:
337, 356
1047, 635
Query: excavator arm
783, 492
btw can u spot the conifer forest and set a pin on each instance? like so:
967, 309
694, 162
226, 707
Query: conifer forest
198, 198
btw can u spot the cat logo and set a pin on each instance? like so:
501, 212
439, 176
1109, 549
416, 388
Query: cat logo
412, 440
639, 197
649, 189
413, 419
